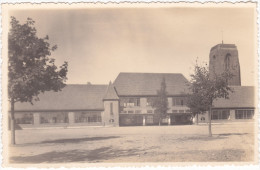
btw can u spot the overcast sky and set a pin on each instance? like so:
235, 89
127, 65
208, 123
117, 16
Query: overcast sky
100, 43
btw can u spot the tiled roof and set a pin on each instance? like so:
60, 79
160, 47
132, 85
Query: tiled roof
90, 97
242, 97
148, 83
111, 93
72, 97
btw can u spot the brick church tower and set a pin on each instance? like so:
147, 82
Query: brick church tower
223, 57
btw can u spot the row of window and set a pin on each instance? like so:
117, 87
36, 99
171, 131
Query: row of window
133, 101
220, 114
244, 114
26, 118
84, 117
180, 111
225, 114
135, 111
129, 102
151, 111
58, 117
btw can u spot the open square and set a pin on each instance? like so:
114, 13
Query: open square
126, 84
231, 142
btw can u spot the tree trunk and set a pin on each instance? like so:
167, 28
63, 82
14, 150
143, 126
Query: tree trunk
210, 133
12, 123
197, 119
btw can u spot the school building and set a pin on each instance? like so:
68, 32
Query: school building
127, 100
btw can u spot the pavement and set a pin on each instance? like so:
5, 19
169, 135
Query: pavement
232, 142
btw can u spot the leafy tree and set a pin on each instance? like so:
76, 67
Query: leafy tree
196, 105
30, 70
206, 87
160, 103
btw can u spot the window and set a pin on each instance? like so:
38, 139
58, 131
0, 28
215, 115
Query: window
227, 61
220, 114
164, 120
129, 102
244, 114
138, 102
111, 109
54, 117
149, 119
23, 118
214, 115
149, 111
174, 111
138, 111
130, 111
87, 117
179, 101
150, 101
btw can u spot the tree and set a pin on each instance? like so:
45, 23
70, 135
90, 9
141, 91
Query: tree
206, 87
30, 70
196, 105
160, 103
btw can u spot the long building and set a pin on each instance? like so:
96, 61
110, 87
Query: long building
127, 101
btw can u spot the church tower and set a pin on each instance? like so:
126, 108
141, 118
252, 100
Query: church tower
225, 57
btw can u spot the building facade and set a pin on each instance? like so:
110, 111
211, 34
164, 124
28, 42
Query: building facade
127, 101
239, 107
241, 103
136, 92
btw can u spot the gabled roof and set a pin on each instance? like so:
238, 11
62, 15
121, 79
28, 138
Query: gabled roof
71, 97
111, 93
145, 84
242, 97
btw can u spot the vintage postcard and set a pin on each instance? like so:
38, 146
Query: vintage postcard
123, 84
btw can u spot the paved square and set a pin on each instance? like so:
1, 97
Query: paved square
188, 143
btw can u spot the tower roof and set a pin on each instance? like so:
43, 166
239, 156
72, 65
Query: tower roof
224, 46
111, 93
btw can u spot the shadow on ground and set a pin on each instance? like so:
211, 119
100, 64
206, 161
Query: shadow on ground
231, 134
214, 137
78, 140
69, 140
96, 155
224, 155
109, 154
201, 138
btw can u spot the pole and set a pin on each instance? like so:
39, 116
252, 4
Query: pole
210, 133
12, 123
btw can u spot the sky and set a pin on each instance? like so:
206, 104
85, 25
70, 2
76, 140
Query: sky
100, 43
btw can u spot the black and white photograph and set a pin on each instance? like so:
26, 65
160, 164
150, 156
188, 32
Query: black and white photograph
135, 83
